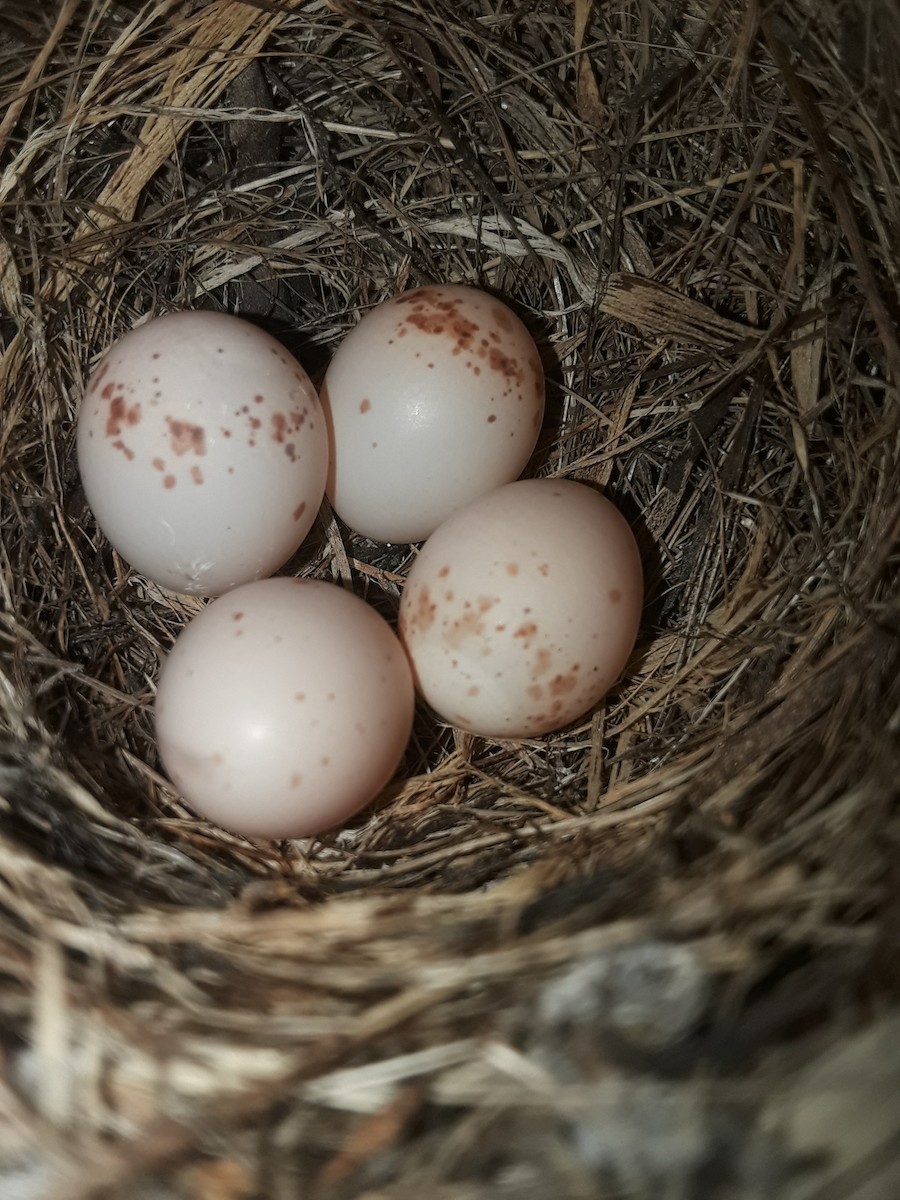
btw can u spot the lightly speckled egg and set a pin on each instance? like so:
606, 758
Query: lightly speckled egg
283, 708
202, 451
522, 609
433, 399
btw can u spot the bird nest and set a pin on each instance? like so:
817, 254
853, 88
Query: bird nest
651, 955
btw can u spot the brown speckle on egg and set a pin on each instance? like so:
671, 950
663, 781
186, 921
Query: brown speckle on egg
120, 414
186, 438
299, 511
543, 661
615, 596
120, 445
169, 482
512, 568
196, 475
560, 685
424, 611
365, 406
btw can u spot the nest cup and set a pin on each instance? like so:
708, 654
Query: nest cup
531, 968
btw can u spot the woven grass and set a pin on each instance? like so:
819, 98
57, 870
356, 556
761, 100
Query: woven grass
612, 962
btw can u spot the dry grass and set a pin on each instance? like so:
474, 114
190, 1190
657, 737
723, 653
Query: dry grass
695, 209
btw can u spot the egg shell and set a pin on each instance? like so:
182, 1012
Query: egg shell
522, 609
283, 708
435, 398
202, 450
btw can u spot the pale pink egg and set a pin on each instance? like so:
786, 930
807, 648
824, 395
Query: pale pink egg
202, 450
521, 610
283, 708
435, 398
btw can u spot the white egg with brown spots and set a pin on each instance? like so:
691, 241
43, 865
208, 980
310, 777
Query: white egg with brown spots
521, 611
434, 398
202, 450
283, 708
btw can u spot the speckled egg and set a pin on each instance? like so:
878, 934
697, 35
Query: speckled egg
521, 610
435, 398
202, 450
283, 708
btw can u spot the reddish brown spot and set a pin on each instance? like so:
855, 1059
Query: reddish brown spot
325, 760
526, 632
535, 691
119, 413
120, 445
217, 758
255, 422
291, 451
543, 662
196, 475
424, 610
295, 782
492, 418
186, 438
169, 481
486, 603
154, 355
226, 433
279, 427
506, 366
159, 464
300, 697
238, 616
499, 628
512, 568
468, 626
473, 690
299, 511
365, 405
615, 596
258, 399
560, 684
444, 572
544, 569
434, 314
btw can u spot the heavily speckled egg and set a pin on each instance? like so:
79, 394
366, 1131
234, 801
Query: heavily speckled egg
521, 611
435, 398
283, 708
202, 451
